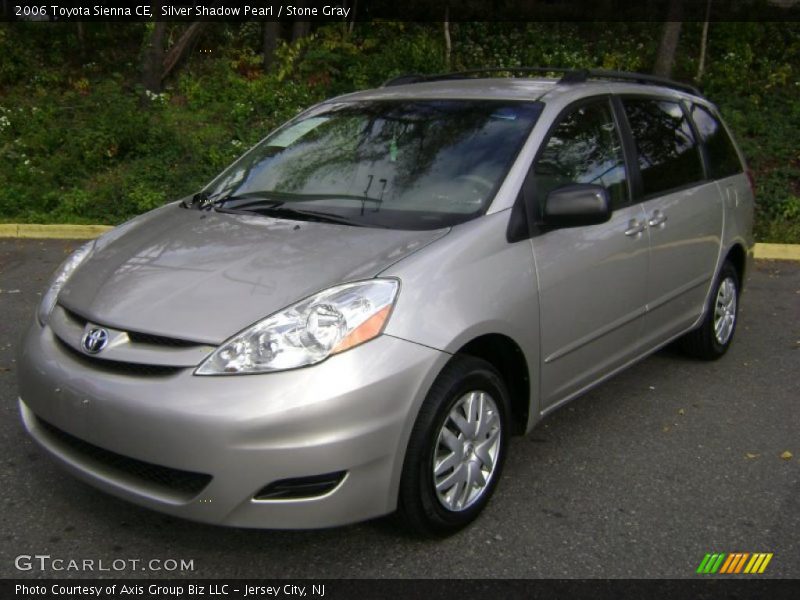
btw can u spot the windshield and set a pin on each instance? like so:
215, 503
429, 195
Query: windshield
403, 165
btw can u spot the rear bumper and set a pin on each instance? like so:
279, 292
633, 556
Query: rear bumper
351, 413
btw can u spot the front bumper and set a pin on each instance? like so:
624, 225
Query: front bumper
353, 413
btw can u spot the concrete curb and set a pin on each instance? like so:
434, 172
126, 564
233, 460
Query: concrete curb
66, 232
778, 251
86, 232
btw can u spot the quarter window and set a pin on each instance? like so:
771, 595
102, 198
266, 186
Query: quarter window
723, 160
667, 152
584, 147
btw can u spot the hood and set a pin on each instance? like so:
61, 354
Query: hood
204, 276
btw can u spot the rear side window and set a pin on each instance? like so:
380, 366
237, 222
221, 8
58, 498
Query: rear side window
584, 147
723, 160
667, 152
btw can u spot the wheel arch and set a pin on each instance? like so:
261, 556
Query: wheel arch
737, 256
505, 355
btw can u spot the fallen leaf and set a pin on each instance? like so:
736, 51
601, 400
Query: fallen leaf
750, 455
681, 412
787, 455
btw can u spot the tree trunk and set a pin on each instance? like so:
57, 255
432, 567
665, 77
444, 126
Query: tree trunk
153, 55
701, 64
272, 33
447, 45
300, 29
669, 40
182, 47
81, 31
353, 22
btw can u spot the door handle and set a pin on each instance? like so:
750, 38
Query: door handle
657, 218
635, 227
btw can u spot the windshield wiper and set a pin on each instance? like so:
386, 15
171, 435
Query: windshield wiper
283, 197
262, 201
205, 201
200, 201
301, 214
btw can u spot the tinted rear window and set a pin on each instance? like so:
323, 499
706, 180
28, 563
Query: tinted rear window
667, 151
723, 160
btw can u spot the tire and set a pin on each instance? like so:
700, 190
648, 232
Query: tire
464, 382
704, 342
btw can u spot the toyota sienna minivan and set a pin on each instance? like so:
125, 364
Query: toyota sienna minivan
354, 317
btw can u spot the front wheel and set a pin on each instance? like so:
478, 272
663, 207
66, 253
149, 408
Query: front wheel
456, 450
715, 334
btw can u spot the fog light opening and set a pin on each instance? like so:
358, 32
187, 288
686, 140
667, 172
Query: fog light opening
298, 488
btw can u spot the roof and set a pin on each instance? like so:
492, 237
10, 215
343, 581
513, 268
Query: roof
455, 86
500, 88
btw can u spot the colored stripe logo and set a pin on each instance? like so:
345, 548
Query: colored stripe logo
734, 563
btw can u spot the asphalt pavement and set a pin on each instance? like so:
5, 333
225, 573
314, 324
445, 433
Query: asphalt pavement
641, 477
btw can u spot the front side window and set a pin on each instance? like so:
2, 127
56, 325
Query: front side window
723, 160
406, 164
667, 151
584, 147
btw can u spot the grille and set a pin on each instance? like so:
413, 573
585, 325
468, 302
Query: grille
186, 483
118, 367
159, 340
135, 336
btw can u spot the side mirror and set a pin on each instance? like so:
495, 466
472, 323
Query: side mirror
577, 204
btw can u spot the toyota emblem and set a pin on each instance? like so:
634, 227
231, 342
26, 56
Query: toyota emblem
95, 340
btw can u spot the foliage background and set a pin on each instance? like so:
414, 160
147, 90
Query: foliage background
82, 142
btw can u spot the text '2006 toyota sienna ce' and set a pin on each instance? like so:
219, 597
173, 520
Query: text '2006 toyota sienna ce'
355, 316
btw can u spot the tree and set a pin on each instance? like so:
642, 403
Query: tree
447, 44
272, 33
157, 62
182, 47
153, 54
301, 28
701, 64
670, 34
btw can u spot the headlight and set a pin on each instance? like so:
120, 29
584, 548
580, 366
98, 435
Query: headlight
308, 332
62, 275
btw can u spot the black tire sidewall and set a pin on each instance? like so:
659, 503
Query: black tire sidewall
727, 271
467, 375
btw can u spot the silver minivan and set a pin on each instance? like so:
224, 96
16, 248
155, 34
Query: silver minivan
355, 316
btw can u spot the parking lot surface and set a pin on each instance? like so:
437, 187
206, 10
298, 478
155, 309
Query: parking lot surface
641, 477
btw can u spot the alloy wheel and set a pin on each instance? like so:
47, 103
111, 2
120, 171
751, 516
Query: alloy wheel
725, 311
466, 451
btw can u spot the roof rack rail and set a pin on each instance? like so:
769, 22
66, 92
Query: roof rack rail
418, 78
636, 78
569, 75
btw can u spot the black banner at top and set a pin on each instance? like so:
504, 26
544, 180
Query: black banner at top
48, 11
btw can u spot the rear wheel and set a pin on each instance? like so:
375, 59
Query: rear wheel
457, 448
715, 334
